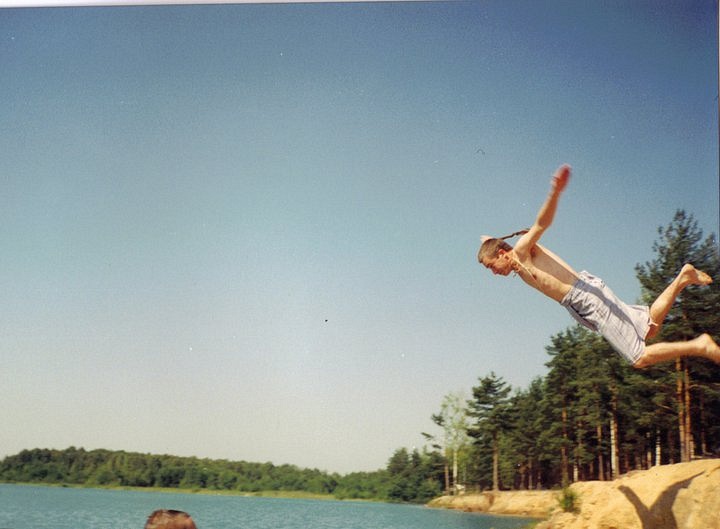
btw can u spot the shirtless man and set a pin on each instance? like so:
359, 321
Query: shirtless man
589, 301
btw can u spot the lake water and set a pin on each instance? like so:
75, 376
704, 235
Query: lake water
29, 507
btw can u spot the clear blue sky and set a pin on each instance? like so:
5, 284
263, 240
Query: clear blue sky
249, 231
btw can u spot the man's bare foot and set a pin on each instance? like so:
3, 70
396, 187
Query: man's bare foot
708, 345
693, 276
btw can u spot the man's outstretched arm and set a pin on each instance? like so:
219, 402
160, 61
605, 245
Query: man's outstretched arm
547, 212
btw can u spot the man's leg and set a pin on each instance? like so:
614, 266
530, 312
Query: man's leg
703, 346
689, 275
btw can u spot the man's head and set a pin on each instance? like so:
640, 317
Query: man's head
169, 519
494, 255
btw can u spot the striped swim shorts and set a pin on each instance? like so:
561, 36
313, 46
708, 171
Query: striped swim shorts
597, 307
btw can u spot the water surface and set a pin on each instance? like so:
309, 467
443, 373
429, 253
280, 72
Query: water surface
31, 507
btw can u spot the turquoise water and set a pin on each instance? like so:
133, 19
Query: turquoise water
28, 507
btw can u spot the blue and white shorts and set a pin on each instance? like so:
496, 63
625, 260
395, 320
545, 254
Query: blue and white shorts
597, 307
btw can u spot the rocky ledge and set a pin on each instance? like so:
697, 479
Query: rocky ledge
681, 496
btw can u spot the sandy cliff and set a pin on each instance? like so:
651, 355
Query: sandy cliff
681, 496
536, 504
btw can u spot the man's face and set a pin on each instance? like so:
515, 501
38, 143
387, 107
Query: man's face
500, 265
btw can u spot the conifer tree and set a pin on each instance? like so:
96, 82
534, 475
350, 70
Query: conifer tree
525, 438
560, 395
694, 312
490, 407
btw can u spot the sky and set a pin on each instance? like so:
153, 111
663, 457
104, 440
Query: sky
249, 231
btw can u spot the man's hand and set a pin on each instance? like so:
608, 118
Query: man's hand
561, 178
546, 214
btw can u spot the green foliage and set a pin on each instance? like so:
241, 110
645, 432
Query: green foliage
363, 486
569, 500
414, 477
494, 416
409, 478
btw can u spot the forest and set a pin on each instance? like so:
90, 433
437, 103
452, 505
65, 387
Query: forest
409, 477
591, 417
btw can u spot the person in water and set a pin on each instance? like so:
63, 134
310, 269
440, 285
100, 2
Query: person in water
169, 519
586, 297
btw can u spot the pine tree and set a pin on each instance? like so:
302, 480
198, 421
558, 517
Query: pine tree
524, 440
490, 407
560, 395
694, 312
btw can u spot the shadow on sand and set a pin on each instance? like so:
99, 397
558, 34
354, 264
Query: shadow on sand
659, 514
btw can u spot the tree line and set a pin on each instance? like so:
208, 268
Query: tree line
409, 476
593, 417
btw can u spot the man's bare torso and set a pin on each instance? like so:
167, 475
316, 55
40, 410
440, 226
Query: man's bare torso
545, 271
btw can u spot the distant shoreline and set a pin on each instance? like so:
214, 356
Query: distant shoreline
283, 494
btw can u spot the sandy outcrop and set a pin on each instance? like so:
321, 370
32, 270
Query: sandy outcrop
681, 496
534, 504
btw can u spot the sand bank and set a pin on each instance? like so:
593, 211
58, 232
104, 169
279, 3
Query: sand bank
535, 504
681, 496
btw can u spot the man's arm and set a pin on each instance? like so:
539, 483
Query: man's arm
546, 214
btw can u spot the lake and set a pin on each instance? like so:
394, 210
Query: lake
31, 507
